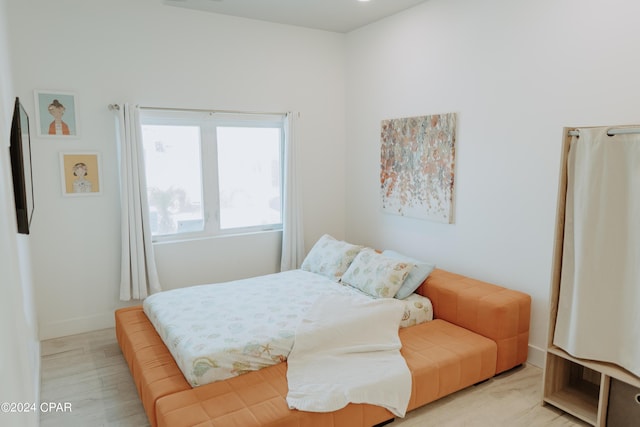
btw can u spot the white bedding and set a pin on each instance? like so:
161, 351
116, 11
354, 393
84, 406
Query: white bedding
223, 330
360, 364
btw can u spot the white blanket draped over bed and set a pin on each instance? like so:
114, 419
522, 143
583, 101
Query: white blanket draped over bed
349, 351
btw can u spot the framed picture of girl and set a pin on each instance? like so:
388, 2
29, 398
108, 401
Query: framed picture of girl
81, 174
56, 114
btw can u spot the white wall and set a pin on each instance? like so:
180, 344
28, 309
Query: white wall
516, 73
145, 53
19, 348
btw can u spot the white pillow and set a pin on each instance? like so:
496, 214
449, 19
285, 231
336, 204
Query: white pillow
375, 274
417, 275
417, 309
330, 257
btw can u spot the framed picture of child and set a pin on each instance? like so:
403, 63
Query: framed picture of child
56, 114
81, 174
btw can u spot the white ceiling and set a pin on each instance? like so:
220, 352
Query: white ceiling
331, 15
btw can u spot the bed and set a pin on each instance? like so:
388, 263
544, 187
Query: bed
219, 331
479, 330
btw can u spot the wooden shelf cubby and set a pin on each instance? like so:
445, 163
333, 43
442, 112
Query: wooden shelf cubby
574, 388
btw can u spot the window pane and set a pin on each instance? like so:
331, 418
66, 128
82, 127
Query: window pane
174, 178
249, 176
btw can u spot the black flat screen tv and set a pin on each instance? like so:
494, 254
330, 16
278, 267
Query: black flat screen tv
20, 151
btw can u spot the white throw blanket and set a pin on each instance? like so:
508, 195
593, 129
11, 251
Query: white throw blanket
347, 350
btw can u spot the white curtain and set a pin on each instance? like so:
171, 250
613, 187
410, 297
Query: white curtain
139, 277
599, 304
292, 234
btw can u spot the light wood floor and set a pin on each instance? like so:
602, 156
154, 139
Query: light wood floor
89, 372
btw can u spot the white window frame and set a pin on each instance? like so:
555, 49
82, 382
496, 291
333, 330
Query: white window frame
208, 121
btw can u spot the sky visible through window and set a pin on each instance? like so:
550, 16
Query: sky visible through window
249, 176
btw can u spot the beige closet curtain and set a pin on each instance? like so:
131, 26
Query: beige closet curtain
599, 304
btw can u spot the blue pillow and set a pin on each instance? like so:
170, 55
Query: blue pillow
417, 275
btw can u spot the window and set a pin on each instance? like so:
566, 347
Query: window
212, 173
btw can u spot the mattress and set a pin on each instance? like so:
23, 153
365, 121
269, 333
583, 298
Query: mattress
219, 331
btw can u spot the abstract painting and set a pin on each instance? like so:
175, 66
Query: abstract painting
417, 160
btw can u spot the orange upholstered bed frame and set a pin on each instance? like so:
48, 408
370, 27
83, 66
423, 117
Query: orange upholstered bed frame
479, 330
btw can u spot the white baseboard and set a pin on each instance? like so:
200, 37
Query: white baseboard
77, 325
536, 356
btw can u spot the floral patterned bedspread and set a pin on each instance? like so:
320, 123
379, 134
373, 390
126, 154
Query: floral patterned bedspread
223, 330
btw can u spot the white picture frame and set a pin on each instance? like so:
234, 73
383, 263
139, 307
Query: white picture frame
80, 173
56, 114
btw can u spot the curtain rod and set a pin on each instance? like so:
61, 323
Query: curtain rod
611, 132
198, 110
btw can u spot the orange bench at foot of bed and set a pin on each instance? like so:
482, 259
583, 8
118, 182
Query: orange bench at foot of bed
480, 330
443, 358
